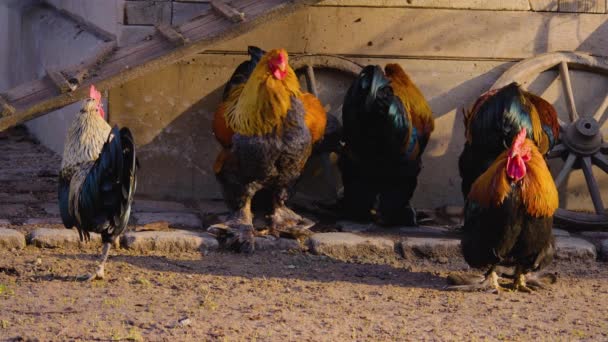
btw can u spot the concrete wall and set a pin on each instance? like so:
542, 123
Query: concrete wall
453, 54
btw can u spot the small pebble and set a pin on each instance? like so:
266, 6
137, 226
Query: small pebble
184, 322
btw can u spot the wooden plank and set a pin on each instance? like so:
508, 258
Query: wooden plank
149, 12
183, 12
171, 34
80, 71
227, 11
510, 5
544, 5
38, 97
429, 33
5, 108
60, 81
582, 6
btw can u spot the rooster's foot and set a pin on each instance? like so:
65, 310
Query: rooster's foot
474, 283
285, 222
235, 234
98, 275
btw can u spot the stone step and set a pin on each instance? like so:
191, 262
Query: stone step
11, 238
43, 221
169, 241
61, 238
440, 249
346, 246
573, 249
187, 220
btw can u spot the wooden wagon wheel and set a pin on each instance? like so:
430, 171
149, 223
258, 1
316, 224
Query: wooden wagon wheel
328, 78
581, 142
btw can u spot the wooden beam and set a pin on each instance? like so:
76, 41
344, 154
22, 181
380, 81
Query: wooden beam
77, 73
38, 97
227, 12
171, 35
5, 108
60, 81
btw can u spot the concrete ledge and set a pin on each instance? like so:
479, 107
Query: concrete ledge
432, 248
10, 238
43, 221
169, 241
61, 238
173, 219
570, 248
348, 245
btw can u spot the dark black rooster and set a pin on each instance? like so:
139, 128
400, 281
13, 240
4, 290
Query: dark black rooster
382, 156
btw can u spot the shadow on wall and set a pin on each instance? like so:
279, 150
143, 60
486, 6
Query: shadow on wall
178, 163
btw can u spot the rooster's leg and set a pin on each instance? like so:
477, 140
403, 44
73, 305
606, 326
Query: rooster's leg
238, 230
520, 282
489, 282
285, 221
99, 274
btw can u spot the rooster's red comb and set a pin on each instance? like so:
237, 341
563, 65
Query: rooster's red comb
94, 94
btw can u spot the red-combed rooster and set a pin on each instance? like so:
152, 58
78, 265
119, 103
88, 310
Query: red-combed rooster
98, 177
387, 125
267, 128
509, 216
496, 117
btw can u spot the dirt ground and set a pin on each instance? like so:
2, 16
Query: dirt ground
285, 296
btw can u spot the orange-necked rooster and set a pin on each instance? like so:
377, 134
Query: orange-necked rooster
98, 177
387, 125
509, 216
496, 117
267, 127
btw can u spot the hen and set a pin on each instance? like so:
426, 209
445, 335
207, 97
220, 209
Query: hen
267, 128
387, 124
98, 177
509, 216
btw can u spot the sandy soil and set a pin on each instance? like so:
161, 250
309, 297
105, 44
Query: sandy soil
282, 296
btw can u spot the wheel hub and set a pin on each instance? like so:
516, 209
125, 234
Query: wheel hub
583, 136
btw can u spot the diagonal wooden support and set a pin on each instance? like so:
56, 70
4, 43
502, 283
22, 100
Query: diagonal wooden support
227, 11
172, 35
119, 65
5, 108
60, 81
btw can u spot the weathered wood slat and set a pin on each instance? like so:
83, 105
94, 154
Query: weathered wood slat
35, 98
60, 81
171, 34
80, 71
5, 107
227, 11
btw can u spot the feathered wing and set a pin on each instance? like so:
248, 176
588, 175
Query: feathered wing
64, 201
414, 102
104, 201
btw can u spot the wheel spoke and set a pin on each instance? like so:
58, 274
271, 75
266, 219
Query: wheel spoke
562, 125
565, 170
557, 151
594, 189
311, 82
601, 110
565, 76
600, 161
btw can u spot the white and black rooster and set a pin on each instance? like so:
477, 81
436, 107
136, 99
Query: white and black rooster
98, 177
